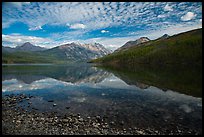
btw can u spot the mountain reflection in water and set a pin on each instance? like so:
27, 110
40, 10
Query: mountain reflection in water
89, 91
73, 73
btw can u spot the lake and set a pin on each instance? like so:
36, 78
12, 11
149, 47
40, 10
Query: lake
88, 90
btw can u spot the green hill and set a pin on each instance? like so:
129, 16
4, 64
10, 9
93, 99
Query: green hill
180, 78
184, 48
30, 57
173, 63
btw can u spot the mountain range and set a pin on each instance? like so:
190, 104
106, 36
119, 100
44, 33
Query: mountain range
139, 42
163, 50
24, 47
29, 53
183, 48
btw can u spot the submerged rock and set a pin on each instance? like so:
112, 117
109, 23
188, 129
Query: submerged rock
20, 122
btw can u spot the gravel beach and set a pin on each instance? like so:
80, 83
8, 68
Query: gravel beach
19, 121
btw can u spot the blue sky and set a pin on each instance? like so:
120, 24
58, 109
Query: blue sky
50, 24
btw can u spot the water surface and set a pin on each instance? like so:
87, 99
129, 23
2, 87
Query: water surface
90, 91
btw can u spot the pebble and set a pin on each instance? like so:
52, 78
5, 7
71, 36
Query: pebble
65, 120
81, 119
140, 132
112, 123
98, 117
20, 121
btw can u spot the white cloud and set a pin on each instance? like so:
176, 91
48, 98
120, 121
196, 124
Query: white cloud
172, 30
95, 15
168, 8
13, 84
77, 26
188, 16
86, 15
104, 31
19, 4
14, 40
161, 16
6, 24
68, 35
108, 42
35, 28
200, 20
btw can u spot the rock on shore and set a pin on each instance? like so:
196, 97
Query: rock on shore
18, 121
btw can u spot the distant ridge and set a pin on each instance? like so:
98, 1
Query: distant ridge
29, 47
184, 48
165, 36
133, 43
66, 53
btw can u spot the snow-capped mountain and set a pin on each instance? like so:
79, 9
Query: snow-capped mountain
77, 51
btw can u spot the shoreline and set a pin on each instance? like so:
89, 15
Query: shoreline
19, 121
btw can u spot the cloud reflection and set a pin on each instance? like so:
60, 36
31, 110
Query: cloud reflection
15, 85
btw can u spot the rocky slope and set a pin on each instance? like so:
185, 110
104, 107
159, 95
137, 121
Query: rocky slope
79, 52
133, 43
